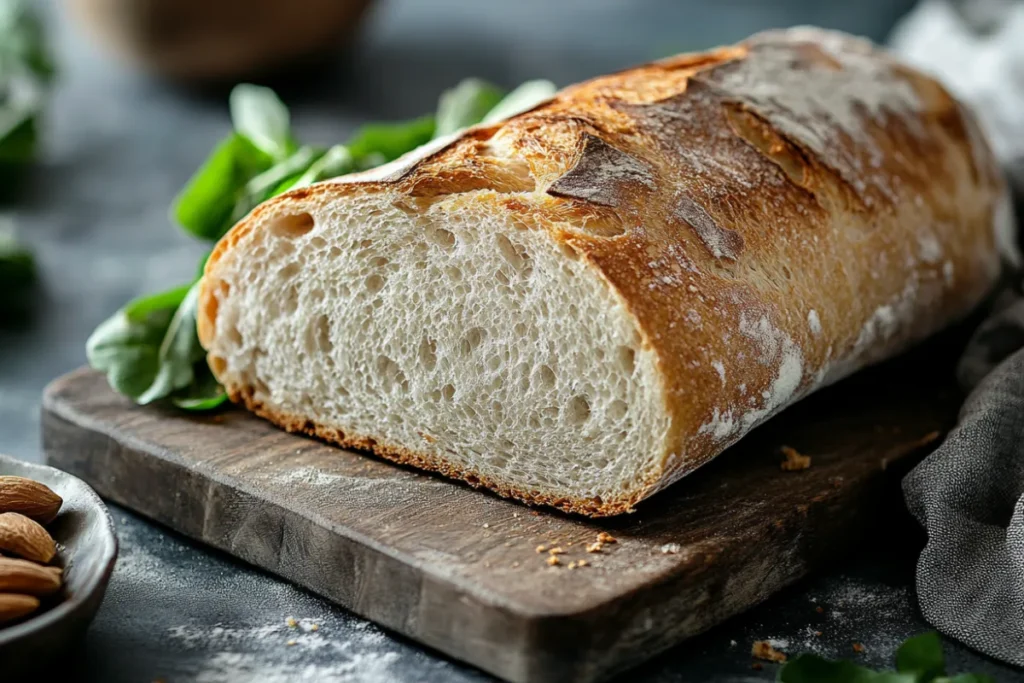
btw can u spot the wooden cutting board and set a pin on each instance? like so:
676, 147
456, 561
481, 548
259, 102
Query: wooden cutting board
459, 570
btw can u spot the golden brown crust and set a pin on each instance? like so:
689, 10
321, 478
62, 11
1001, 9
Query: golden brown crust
774, 215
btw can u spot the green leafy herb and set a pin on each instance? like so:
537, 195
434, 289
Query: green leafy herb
25, 70
919, 660
150, 351
465, 105
260, 116
378, 143
126, 346
206, 205
525, 97
17, 276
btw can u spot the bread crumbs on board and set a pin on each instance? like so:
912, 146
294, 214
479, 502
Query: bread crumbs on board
795, 460
762, 649
553, 560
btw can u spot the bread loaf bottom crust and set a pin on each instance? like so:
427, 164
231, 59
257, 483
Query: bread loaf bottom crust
295, 424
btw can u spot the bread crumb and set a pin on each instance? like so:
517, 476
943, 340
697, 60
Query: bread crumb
572, 565
762, 649
605, 537
515, 564
858, 648
291, 622
582, 563
556, 551
541, 548
595, 547
515, 515
314, 627
553, 560
794, 459
670, 548
486, 525
291, 642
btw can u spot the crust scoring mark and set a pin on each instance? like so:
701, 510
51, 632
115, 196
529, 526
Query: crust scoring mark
603, 175
721, 242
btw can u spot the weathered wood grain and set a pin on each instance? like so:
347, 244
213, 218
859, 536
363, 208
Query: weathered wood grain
457, 569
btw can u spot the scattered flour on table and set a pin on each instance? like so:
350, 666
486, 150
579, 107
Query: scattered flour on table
309, 475
278, 653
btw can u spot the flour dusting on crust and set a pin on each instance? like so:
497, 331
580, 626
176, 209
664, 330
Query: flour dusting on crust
777, 349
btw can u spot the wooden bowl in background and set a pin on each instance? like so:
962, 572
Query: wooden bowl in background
220, 40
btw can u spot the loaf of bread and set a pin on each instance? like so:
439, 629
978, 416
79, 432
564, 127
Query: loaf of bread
580, 305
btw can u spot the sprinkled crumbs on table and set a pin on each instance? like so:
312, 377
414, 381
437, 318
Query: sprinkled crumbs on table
292, 642
486, 525
582, 563
595, 547
553, 560
556, 551
605, 537
541, 548
762, 649
572, 565
795, 460
291, 622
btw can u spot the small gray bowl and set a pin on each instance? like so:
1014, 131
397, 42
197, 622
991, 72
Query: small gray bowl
87, 549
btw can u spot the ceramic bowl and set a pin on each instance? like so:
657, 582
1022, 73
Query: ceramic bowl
87, 547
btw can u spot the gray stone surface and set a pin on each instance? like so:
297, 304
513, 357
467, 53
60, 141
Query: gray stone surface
118, 147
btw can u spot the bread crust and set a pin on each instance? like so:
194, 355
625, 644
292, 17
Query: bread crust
774, 215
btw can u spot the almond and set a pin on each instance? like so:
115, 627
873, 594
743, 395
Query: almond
20, 536
30, 498
14, 606
22, 576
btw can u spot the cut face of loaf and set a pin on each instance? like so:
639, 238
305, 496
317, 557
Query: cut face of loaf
584, 303
451, 337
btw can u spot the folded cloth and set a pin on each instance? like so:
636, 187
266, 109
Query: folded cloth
969, 496
969, 493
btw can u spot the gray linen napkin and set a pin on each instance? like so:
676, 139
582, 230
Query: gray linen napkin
969, 493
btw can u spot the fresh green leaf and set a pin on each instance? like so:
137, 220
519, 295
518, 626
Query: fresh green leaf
204, 393
258, 114
137, 309
206, 205
127, 345
267, 184
922, 657
919, 660
179, 351
17, 276
810, 668
337, 161
22, 42
17, 136
525, 97
465, 105
379, 143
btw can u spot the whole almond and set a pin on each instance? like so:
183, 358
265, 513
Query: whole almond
30, 498
14, 606
22, 576
20, 536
